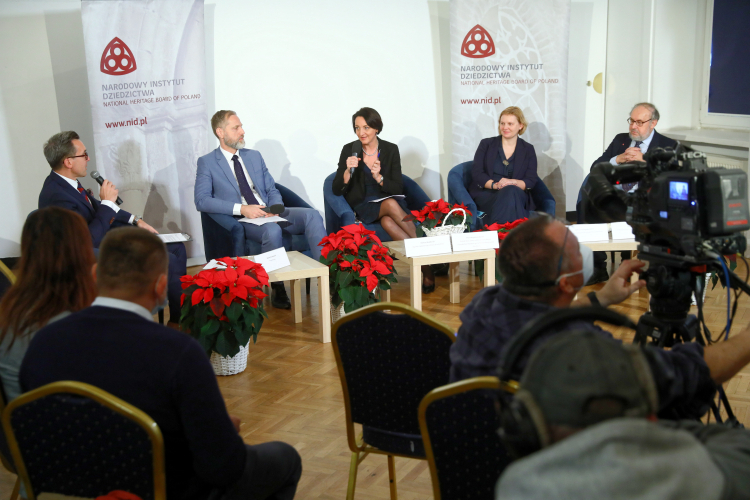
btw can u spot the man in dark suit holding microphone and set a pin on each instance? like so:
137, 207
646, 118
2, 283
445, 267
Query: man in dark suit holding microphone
67, 156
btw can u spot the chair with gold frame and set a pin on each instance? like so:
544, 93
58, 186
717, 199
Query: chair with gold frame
389, 356
75, 439
459, 424
5, 451
7, 278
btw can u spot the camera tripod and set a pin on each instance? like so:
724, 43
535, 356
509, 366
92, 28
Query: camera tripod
672, 281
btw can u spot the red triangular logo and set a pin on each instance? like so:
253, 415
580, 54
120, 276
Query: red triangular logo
117, 58
477, 43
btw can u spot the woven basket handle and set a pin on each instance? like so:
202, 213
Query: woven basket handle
449, 214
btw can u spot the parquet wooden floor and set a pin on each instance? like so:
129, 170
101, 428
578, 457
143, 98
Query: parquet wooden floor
291, 392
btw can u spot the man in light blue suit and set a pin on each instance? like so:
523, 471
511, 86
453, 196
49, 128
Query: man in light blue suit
234, 182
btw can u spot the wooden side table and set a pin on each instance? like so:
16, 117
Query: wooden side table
415, 271
301, 267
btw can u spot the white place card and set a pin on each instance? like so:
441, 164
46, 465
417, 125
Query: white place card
273, 260
590, 232
622, 231
431, 245
215, 264
482, 240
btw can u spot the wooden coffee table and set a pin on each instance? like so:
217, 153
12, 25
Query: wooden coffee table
415, 271
301, 267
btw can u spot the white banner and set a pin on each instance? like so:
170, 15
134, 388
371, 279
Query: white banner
147, 81
511, 53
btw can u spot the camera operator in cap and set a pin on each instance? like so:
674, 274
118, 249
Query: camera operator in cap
543, 268
584, 419
628, 148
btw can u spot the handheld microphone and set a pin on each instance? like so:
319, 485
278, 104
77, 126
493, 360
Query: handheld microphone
356, 149
98, 178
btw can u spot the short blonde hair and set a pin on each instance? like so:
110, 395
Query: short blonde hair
515, 111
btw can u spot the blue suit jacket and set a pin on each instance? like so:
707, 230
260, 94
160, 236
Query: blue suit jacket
216, 189
621, 142
56, 192
524, 168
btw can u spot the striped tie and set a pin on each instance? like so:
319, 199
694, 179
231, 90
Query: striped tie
83, 192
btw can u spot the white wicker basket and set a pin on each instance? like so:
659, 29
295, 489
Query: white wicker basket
230, 365
444, 230
337, 313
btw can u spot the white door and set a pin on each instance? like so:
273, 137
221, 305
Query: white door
587, 57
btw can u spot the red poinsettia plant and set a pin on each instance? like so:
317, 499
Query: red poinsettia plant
223, 307
503, 229
358, 264
434, 212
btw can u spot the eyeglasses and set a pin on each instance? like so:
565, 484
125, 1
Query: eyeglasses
84, 155
640, 123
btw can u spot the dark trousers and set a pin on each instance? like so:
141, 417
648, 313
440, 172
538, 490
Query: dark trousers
600, 258
177, 269
272, 470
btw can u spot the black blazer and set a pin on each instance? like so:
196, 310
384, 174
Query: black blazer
56, 192
621, 142
390, 169
484, 161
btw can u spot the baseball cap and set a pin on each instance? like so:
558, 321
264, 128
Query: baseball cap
581, 378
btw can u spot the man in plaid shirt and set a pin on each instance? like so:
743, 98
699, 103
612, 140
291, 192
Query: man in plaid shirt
543, 269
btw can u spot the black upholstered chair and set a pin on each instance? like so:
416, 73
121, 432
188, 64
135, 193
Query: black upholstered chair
388, 361
224, 236
75, 439
459, 425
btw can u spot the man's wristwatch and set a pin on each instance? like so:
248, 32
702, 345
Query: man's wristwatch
136, 218
381, 180
592, 298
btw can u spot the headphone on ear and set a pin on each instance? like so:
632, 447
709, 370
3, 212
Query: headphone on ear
523, 427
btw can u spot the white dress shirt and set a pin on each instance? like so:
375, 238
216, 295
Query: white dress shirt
238, 206
110, 204
124, 305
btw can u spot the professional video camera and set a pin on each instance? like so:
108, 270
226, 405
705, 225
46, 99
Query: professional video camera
685, 217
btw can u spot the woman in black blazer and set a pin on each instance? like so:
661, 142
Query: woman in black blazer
375, 175
504, 169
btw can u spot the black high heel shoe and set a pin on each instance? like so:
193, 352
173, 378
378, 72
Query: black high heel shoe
428, 288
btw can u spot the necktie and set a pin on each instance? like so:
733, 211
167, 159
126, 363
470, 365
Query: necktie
83, 192
630, 185
245, 190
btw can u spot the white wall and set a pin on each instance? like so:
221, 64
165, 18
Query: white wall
654, 53
296, 72
296, 81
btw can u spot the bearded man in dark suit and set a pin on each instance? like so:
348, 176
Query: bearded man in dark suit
628, 148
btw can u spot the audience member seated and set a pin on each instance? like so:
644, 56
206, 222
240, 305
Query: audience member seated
504, 169
376, 175
544, 267
67, 156
627, 148
233, 182
116, 345
53, 278
597, 436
